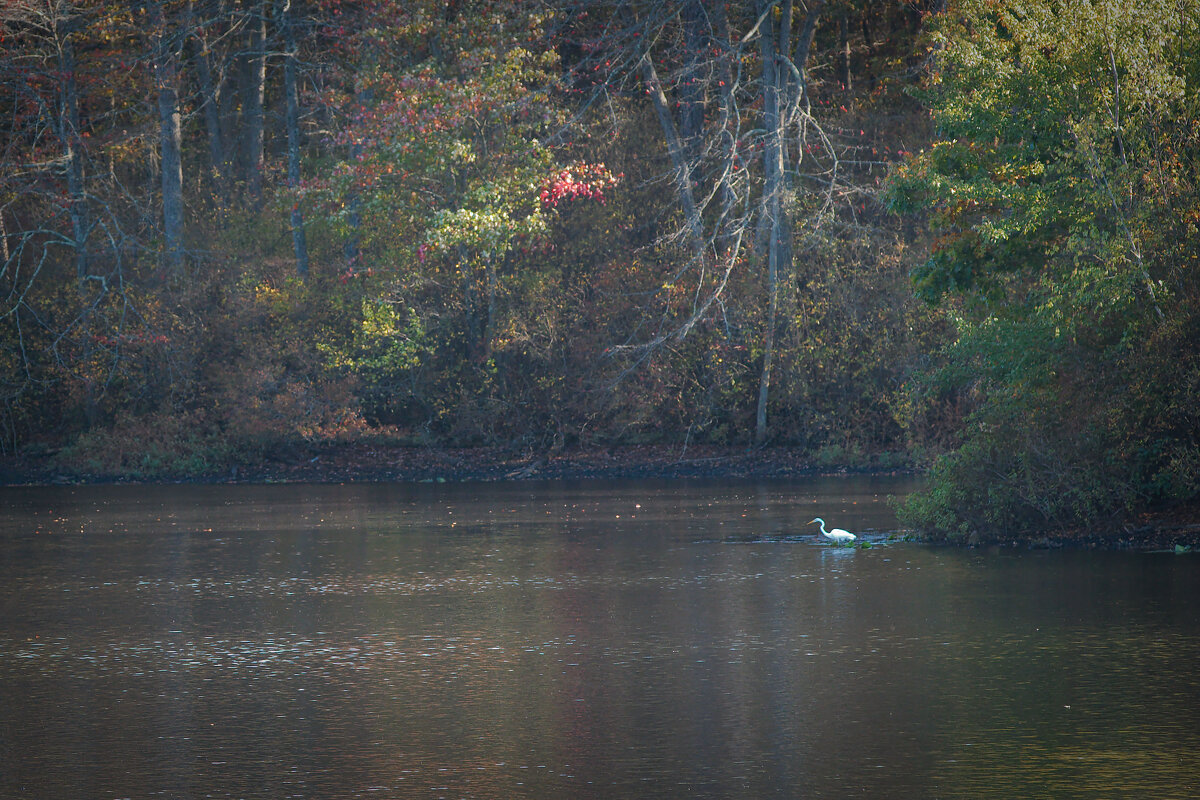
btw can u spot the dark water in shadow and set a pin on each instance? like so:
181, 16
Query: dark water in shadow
598, 640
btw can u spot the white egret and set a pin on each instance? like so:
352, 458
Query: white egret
837, 534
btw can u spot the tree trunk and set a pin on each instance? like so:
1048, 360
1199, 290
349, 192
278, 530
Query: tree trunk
788, 91
493, 282
229, 100
691, 87
844, 76
724, 125
774, 39
73, 142
783, 75
78, 210
211, 103
291, 89
803, 47
170, 139
253, 97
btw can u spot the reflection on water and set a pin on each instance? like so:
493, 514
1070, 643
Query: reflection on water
574, 640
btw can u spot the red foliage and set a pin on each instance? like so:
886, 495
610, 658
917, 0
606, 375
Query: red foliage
582, 181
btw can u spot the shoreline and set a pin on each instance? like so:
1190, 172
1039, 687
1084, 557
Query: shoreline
364, 462
1176, 529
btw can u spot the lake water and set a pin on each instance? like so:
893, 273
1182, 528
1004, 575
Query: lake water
574, 640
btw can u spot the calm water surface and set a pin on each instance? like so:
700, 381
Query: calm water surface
554, 640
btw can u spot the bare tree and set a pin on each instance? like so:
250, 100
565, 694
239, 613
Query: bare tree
166, 83
291, 90
253, 95
724, 98
774, 38
204, 37
50, 29
60, 209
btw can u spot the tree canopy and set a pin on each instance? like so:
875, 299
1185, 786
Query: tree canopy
1061, 186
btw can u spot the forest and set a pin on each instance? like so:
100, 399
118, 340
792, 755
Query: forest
959, 236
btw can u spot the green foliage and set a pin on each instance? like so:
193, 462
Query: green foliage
1062, 188
385, 353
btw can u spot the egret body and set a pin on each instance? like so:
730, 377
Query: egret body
837, 534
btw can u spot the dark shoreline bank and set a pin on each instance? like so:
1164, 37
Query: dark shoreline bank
1163, 529
354, 463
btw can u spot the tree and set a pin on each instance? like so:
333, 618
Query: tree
775, 42
437, 182
68, 215
292, 93
504, 210
253, 97
1063, 190
211, 64
167, 42
762, 174
43, 80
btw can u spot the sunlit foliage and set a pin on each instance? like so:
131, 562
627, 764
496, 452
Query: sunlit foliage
1062, 188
